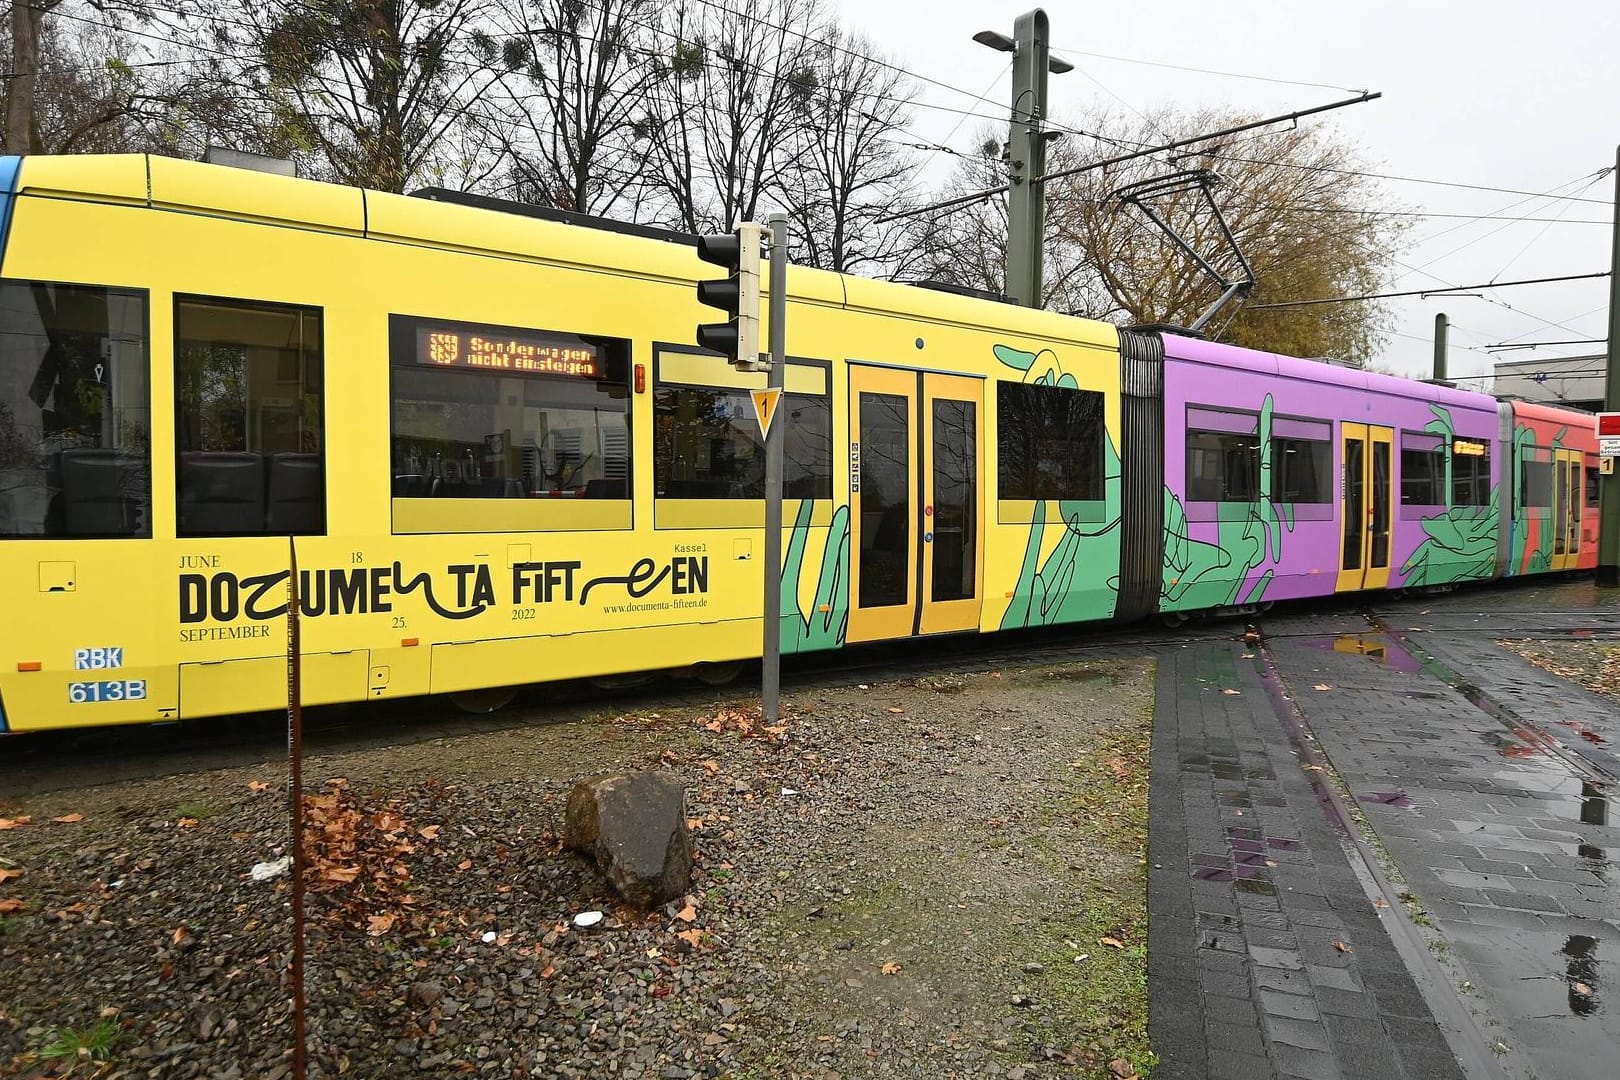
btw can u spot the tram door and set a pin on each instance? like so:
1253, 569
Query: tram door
1367, 506
1569, 493
916, 502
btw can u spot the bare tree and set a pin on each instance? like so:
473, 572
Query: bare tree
567, 119
365, 90
728, 94
848, 165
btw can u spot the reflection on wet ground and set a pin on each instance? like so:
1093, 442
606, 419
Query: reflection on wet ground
1388, 798
1375, 647
1582, 973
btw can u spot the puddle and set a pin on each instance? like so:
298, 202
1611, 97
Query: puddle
1509, 747
1388, 798
1255, 885
1233, 798
1284, 844
1584, 732
1375, 647
1210, 873
1591, 853
1581, 972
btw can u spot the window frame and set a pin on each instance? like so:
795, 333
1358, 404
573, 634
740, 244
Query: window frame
1481, 480
144, 297
1020, 509
1406, 444
1295, 430
1198, 419
248, 303
412, 515
678, 366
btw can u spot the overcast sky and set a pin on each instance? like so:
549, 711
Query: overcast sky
1506, 95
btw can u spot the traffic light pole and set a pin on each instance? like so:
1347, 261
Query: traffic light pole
1608, 564
774, 435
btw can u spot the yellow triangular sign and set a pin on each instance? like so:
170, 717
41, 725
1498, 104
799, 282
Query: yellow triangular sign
765, 402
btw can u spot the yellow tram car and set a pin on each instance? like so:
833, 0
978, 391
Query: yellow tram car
497, 455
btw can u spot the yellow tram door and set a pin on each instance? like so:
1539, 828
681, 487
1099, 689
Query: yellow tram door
1568, 494
1367, 506
916, 498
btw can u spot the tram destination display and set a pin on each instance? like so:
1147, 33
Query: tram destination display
517, 353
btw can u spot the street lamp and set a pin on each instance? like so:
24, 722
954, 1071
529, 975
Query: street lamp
1026, 151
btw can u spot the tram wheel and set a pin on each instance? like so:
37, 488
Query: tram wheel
718, 674
1173, 619
488, 700
611, 683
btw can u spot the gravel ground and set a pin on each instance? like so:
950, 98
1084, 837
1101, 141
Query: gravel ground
939, 877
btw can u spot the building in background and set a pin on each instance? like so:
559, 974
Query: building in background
1574, 381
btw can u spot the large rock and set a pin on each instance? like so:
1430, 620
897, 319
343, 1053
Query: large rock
634, 826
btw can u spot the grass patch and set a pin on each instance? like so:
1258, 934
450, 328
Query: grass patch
94, 1043
1101, 1003
198, 810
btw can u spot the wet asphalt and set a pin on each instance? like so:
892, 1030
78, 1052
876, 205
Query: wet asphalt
1381, 846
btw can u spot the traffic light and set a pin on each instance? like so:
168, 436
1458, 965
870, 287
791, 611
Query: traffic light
737, 296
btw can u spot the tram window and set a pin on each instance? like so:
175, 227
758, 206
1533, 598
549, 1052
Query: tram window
1470, 472
1049, 442
1592, 488
1223, 456
1536, 478
1423, 470
1301, 461
75, 412
494, 412
249, 418
706, 445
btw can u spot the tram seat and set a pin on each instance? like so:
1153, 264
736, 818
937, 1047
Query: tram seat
221, 493
605, 489
96, 490
294, 495
412, 486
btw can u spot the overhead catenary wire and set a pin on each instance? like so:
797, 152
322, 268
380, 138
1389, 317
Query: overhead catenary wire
1428, 292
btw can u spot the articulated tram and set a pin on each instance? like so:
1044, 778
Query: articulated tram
484, 440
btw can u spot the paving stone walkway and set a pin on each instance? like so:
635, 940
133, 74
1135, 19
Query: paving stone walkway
1267, 959
1488, 782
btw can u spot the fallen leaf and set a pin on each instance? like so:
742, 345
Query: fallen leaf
186, 823
378, 925
15, 823
464, 864
687, 914
711, 766
547, 972
341, 874
258, 787
68, 819
1582, 989
1313, 768
1342, 947
10, 905
7, 875
1380, 902
1248, 656
693, 938
1229, 690
1321, 686
694, 823
428, 832
890, 968
1111, 942
1123, 1069
180, 934
896, 710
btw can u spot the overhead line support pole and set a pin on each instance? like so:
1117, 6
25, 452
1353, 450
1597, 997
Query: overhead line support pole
1026, 147
1608, 565
1441, 326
